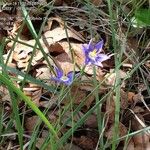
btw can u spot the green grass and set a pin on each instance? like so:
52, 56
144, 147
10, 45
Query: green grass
54, 138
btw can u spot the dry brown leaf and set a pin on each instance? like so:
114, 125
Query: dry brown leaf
53, 22
53, 116
69, 2
59, 34
90, 70
96, 2
138, 110
64, 62
40, 142
77, 50
137, 98
49, 102
137, 122
146, 115
30, 123
91, 121
34, 93
110, 108
21, 51
23, 63
58, 20
22, 54
6, 21
110, 104
87, 85
148, 146
57, 48
122, 130
78, 96
130, 97
16, 25
147, 64
4, 94
43, 73
111, 77
141, 141
58, 2
89, 101
127, 66
85, 142
124, 99
2, 35
131, 145
88, 141
76, 118
10, 60
49, 43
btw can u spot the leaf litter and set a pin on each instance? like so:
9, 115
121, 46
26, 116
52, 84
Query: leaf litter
63, 45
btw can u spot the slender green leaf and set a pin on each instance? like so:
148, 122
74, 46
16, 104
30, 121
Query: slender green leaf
143, 16
9, 84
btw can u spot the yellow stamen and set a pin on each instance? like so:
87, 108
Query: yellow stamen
93, 54
64, 78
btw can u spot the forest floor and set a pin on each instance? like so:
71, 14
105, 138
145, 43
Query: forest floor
74, 75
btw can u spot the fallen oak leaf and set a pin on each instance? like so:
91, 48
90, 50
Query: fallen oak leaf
34, 92
130, 97
70, 31
97, 3
30, 123
78, 96
64, 62
130, 145
59, 34
141, 141
111, 77
76, 50
110, 104
122, 130
87, 141
91, 121
43, 73
56, 49
87, 85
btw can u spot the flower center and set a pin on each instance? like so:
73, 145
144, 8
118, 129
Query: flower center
93, 54
64, 78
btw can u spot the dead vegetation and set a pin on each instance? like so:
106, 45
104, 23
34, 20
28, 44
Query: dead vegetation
70, 25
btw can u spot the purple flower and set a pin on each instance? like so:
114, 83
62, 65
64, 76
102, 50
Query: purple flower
61, 78
92, 53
